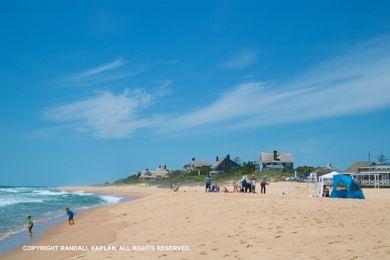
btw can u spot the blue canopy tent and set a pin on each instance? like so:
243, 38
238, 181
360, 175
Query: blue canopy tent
346, 187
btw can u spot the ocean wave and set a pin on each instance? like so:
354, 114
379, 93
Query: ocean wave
81, 193
50, 192
110, 199
11, 190
12, 201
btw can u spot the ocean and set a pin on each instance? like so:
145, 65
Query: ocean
44, 204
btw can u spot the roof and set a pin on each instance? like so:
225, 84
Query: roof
161, 171
198, 164
217, 163
282, 157
354, 167
325, 170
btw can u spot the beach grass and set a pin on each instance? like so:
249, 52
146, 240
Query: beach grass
193, 178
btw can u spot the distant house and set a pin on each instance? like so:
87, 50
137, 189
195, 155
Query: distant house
357, 167
197, 165
369, 174
146, 175
160, 172
225, 164
275, 160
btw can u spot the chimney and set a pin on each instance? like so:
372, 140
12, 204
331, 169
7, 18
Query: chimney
228, 157
193, 158
165, 166
275, 155
216, 158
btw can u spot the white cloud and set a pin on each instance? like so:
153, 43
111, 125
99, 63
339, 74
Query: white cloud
163, 88
106, 114
103, 68
357, 82
241, 60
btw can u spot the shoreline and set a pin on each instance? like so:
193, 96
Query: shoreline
18, 239
226, 225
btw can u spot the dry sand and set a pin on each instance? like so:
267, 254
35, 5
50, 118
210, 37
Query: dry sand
228, 225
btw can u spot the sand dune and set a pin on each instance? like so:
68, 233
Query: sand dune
227, 226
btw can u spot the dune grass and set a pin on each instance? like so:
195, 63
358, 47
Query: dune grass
193, 178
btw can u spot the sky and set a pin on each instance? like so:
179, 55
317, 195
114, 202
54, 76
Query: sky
92, 91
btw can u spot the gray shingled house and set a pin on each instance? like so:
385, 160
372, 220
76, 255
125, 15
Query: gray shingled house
194, 165
276, 161
225, 164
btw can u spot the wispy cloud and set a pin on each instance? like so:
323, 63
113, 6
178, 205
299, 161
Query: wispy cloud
103, 68
105, 114
117, 70
163, 88
357, 82
241, 60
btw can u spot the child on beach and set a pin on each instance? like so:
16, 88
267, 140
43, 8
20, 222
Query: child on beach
70, 215
29, 225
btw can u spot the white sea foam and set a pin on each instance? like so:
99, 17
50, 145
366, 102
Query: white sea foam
82, 193
110, 199
50, 192
9, 190
12, 201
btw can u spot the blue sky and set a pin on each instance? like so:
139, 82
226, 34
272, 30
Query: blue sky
95, 90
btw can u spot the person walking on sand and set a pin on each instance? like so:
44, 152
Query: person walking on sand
70, 215
29, 225
263, 183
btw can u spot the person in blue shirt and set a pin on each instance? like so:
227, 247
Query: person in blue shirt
244, 183
208, 183
70, 215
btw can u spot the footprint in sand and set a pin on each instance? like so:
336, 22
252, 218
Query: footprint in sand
203, 253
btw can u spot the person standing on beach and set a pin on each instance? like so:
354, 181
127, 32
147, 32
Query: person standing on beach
263, 183
30, 225
243, 184
70, 215
208, 183
253, 184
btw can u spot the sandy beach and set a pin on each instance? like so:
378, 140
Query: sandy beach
225, 226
